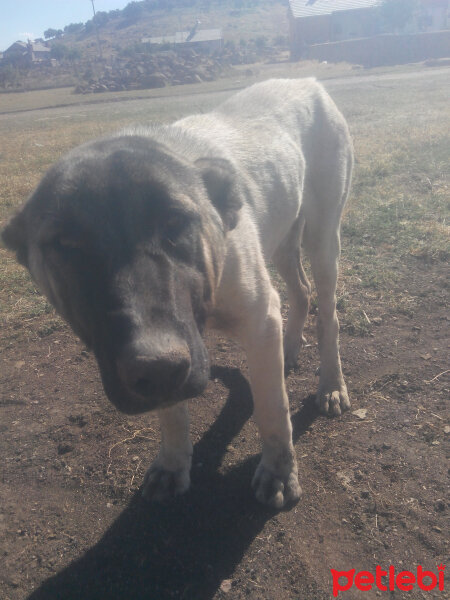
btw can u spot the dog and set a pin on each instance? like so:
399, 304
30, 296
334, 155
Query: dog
143, 239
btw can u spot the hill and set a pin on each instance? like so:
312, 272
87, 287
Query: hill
107, 51
238, 19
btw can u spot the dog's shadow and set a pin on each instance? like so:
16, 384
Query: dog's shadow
183, 549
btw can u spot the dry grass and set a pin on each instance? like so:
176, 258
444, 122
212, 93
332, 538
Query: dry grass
397, 215
233, 78
401, 190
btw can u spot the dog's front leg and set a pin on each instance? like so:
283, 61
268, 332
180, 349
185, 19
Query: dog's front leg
276, 478
169, 474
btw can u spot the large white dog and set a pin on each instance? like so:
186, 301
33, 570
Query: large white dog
142, 239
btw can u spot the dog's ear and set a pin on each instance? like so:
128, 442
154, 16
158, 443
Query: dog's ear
220, 182
14, 237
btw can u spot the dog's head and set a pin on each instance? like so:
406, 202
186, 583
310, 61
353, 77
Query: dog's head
127, 241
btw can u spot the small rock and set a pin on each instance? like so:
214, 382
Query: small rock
361, 413
439, 505
343, 478
365, 494
436, 529
225, 586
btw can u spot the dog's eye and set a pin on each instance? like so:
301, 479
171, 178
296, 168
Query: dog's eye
67, 242
174, 227
64, 243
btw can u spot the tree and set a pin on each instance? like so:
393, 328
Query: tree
50, 33
133, 11
73, 27
73, 54
101, 18
59, 51
396, 13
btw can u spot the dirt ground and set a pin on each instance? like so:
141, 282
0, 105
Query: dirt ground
375, 482
74, 526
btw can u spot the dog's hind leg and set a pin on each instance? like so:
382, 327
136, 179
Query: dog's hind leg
287, 260
323, 210
169, 474
332, 397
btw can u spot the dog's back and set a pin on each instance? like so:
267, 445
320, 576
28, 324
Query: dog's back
286, 138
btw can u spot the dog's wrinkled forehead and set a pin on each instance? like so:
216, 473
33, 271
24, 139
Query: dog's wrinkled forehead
116, 171
122, 191
100, 182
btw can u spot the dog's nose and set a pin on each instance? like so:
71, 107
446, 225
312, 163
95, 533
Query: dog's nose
151, 376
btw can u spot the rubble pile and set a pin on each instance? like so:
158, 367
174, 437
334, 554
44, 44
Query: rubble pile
156, 70
169, 67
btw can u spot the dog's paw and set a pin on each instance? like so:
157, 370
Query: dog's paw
333, 403
274, 490
161, 484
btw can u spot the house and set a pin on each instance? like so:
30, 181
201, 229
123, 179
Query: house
38, 52
206, 39
17, 49
320, 21
432, 15
29, 52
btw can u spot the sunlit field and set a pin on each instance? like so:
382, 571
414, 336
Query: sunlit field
398, 207
72, 521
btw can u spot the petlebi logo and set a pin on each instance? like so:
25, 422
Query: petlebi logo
388, 580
